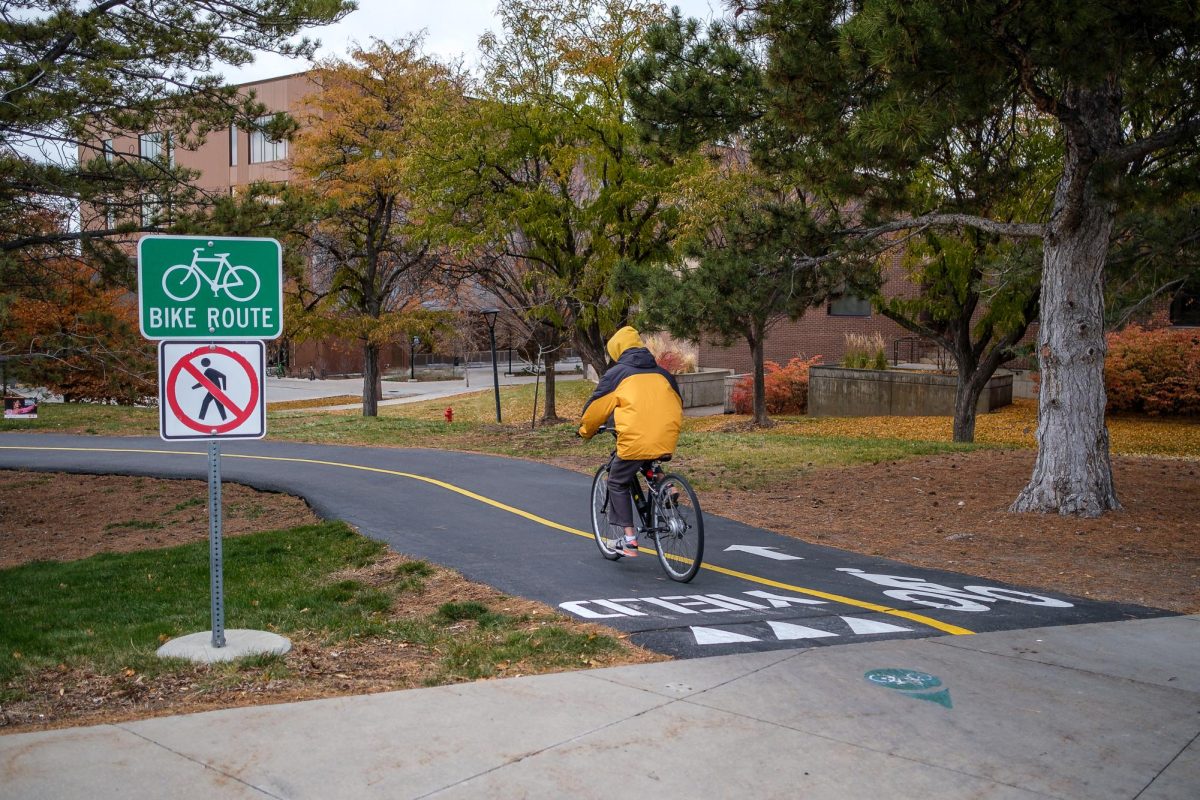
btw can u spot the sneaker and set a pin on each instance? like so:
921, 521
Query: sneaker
627, 546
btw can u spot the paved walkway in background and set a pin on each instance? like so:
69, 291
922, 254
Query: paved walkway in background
400, 392
394, 392
1110, 710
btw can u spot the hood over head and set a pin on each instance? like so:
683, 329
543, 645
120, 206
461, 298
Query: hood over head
622, 340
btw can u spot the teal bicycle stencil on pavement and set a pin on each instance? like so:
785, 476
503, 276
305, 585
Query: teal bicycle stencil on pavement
913, 683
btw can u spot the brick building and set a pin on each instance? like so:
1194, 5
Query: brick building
822, 331
227, 163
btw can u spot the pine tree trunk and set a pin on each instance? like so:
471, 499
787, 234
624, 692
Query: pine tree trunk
370, 380
760, 381
1073, 471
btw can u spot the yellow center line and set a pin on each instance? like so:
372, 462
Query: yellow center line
933, 623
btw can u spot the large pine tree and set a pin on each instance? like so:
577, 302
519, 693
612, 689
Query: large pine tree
869, 89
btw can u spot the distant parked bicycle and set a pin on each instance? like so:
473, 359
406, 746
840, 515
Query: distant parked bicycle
665, 509
182, 281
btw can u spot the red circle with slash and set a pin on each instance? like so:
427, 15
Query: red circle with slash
239, 416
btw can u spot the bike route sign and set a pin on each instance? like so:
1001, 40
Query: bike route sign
210, 287
211, 391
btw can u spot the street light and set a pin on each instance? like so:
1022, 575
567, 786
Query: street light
490, 315
412, 359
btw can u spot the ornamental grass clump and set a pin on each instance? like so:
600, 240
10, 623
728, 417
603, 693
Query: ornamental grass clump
675, 357
865, 351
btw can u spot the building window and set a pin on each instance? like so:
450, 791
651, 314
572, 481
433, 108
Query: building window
1185, 308
151, 209
847, 305
233, 134
150, 145
156, 146
263, 148
108, 150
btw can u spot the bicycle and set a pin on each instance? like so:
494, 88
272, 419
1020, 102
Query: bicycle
227, 278
666, 510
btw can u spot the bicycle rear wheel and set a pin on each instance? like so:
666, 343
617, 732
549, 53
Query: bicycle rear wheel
605, 532
680, 524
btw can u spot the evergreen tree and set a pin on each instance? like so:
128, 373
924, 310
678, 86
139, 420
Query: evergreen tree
75, 74
870, 89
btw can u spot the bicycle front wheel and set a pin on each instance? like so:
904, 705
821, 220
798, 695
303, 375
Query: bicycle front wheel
605, 532
680, 525
241, 283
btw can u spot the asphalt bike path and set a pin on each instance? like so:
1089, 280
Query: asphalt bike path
525, 528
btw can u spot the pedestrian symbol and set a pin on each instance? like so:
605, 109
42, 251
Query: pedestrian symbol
211, 391
218, 380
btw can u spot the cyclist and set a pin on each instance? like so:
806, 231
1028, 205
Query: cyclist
646, 409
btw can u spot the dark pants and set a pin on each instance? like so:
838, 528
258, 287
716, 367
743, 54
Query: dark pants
621, 475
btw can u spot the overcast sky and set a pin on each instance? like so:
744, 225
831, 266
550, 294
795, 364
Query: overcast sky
453, 28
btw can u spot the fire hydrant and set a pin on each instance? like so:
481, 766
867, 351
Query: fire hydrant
449, 414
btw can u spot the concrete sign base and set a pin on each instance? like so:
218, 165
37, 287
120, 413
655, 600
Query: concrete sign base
238, 644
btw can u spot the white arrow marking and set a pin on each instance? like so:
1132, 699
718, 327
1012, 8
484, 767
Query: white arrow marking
786, 630
766, 552
716, 636
867, 627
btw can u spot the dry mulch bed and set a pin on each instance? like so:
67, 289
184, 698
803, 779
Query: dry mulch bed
950, 512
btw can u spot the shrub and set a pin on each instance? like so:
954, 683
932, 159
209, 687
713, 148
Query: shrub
786, 388
1153, 371
865, 352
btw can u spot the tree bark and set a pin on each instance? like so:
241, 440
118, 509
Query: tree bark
966, 400
370, 380
1073, 471
760, 379
550, 414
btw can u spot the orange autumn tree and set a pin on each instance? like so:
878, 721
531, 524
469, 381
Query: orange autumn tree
370, 257
76, 337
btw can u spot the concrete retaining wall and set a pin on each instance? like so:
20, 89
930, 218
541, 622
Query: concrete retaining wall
841, 392
703, 388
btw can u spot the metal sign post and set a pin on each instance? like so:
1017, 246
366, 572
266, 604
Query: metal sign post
210, 301
215, 556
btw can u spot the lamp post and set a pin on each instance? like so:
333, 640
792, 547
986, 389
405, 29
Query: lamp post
490, 315
412, 360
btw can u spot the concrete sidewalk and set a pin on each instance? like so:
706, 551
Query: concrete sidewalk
1110, 710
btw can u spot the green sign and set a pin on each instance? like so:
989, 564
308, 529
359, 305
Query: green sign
210, 287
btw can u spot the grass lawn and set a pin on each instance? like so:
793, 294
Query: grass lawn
109, 613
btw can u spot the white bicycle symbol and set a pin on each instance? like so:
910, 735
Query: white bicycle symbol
182, 281
936, 595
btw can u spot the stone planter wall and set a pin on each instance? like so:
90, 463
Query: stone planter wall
841, 392
703, 388
731, 381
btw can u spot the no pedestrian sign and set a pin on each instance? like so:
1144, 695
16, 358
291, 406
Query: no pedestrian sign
211, 391
210, 287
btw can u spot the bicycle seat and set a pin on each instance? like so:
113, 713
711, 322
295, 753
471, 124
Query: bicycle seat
667, 457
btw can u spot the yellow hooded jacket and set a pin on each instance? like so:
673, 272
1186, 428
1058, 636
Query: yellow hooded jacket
641, 397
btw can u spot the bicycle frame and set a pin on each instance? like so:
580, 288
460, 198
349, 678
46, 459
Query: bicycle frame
222, 262
643, 506
665, 510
